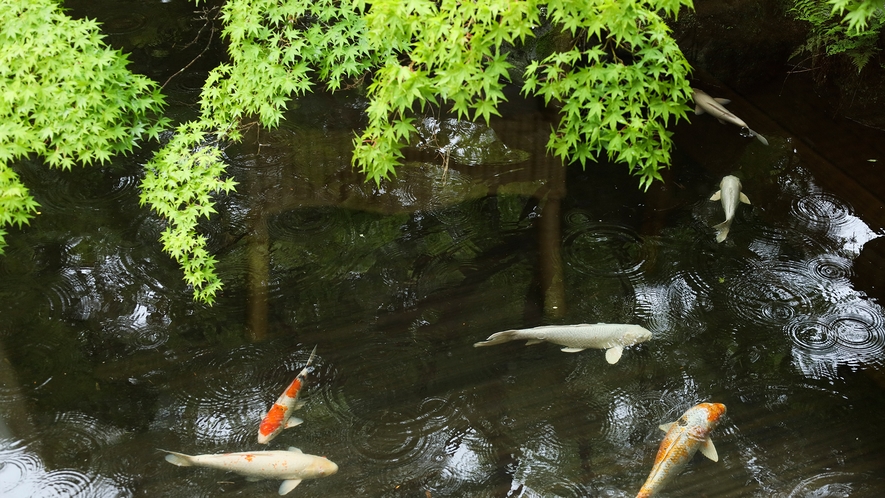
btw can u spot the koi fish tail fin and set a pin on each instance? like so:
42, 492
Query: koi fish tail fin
310, 359
497, 338
179, 459
723, 228
758, 137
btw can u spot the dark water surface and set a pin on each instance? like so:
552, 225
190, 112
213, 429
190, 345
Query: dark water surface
104, 357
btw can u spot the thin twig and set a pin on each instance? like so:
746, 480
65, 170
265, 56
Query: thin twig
208, 44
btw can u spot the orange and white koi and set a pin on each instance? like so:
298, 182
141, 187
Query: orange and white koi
291, 466
279, 416
684, 437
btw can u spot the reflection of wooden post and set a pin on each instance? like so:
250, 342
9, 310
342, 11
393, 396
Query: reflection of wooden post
258, 255
550, 243
17, 423
257, 251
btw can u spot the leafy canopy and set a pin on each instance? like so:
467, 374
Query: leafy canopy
858, 13
616, 74
840, 27
620, 80
65, 96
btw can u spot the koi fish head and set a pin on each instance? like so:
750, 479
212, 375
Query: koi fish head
703, 415
322, 467
636, 334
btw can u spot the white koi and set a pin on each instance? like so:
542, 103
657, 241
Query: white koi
613, 337
705, 103
279, 417
729, 193
292, 466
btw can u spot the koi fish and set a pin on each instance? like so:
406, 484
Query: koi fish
684, 437
612, 337
279, 417
729, 193
705, 103
292, 466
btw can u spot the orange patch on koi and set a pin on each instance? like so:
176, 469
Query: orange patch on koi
273, 419
294, 387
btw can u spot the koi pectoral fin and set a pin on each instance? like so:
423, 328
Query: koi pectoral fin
708, 450
288, 485
716, 196
572, 350
612, 355
744, 198
293, 421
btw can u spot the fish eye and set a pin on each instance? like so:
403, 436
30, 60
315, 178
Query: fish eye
682, 422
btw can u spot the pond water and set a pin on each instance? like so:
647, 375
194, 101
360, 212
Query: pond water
105, 358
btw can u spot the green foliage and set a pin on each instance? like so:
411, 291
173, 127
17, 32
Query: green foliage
829, 36
450, 53
272, 46
65, 96
178, 185
859, 13
619, 84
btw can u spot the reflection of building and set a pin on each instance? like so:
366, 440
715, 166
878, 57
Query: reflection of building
311, 168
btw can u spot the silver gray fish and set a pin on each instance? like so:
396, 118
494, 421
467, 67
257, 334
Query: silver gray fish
613, 337
705, 103
729, 193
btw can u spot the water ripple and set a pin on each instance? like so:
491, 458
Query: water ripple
411, 445
831, 267
188, 83
121, 24
296, 223
859, 330
96, 188
850, 334
822, 211
770, 293
672, 306
811, 335
23, 474
75, 435
63, 483
825, 485
394, 437
606, 250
